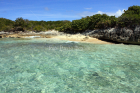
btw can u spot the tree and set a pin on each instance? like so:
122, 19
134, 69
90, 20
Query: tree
38, 28
22, 23
6, 24
19, 22
130, 17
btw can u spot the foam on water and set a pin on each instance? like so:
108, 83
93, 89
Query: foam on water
49, 66
71, 42
33, 37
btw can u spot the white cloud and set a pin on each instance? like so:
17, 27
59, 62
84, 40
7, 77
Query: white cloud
87, 13
88, 8
99, 12
119, 12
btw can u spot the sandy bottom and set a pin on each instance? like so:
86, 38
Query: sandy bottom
81, 38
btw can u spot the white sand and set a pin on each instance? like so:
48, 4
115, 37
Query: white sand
80, 38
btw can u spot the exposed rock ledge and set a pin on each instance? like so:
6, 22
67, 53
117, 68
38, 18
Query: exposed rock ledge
47, 34
123, 35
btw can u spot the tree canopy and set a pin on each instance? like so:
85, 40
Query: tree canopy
29, 25
130, 17
97, 21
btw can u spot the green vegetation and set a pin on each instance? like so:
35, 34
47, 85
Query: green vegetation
6, 24
38, 28
97, 21
130, 18
21, 24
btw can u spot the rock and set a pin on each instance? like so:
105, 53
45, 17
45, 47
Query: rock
85, 38
124, 35
1, 36
95, 74
2, 32
137, 29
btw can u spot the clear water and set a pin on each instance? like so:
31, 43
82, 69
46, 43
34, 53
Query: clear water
55, 66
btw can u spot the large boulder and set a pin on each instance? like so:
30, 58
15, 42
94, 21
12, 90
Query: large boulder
126, 35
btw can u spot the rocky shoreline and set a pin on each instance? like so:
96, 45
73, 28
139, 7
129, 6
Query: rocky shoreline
122, 35
21, 34
54, 35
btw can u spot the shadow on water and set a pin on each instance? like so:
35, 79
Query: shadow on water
110, 41
115, 42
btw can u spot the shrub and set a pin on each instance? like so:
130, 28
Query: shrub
38, 28
130, 18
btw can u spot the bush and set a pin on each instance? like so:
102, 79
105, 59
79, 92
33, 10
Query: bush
106, 23
97, 21
7, 28
38, 28
130, 18
6, 24
103, 24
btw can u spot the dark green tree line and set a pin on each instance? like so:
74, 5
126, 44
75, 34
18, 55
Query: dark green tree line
21, 24
97, 21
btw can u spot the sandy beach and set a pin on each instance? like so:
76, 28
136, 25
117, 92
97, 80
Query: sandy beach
56, 35
80, 38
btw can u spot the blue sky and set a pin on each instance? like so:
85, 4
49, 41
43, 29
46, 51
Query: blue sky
53, 10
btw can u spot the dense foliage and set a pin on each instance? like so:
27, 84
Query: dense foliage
97, 21
28, 25
130, 17
6, 24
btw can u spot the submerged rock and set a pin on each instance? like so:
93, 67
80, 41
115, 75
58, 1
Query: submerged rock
95, 74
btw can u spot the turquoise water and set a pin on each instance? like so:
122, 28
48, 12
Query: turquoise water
55, 66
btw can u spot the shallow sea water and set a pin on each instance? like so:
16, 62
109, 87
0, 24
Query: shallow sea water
56, 66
